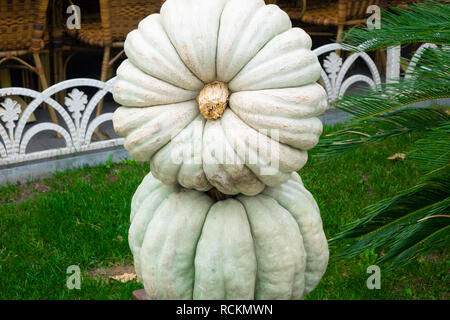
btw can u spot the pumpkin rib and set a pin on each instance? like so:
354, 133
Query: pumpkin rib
284, 49
297, 72
298, 102
239, 156
262, 113
223, 233
241, 135
135, 88
159, 125
169, 274
143, 51
241, 20
147, 186
188, 169
142, 218
317, 256
148, 234
185, 22
269, 109
295, 37
274, 247
300, 133
252, 32
234, 177
143, 28
185, 175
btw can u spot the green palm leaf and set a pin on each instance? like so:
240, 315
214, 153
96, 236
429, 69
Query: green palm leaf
427, 21
434, 234
416, 220
430, 79
433, 151
379, 128
404, 223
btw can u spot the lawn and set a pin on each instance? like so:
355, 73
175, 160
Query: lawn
82, 218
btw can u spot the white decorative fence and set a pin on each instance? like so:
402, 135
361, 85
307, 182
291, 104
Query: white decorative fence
78, 126
335, 70
77, 130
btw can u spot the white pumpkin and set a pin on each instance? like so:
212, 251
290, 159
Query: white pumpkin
187, 246
219, 93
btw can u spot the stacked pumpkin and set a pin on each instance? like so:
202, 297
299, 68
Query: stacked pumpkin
220, 96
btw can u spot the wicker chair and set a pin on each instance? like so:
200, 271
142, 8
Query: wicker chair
109, 30
22, 33
327, 13
294, 8
333, 13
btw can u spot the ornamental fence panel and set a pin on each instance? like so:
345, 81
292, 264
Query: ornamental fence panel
78, 121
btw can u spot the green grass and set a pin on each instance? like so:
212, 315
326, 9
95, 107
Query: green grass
82, 218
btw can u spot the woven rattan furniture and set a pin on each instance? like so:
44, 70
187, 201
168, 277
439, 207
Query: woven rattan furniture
328, 13
109, 29
22, 29
338, 14
333, 13
294, 8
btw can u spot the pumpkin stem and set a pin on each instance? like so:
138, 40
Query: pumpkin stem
213, 99
216, 195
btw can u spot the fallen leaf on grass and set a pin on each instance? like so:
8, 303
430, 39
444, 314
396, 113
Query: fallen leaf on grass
124, 277
112, 179
40, 187
396, 156
119, 272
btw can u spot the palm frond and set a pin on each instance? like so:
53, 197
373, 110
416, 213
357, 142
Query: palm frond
428, 21
407, 224
378, 112
408, 204
417, 219
415, 238
436, 235
429, 80
379, 128
433, 151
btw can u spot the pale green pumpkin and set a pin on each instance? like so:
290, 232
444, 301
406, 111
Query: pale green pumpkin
188, 246
262, 75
